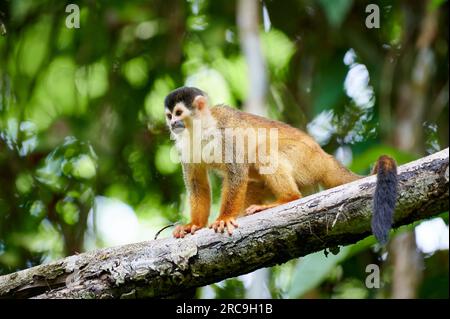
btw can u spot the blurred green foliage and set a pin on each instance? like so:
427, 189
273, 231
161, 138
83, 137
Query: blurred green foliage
81, 116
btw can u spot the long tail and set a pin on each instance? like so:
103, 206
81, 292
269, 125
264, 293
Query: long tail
384, 198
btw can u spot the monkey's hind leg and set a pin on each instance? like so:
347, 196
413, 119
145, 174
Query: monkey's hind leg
282, 185
257, 194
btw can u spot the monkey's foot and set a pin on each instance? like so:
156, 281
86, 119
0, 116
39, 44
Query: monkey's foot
224, 223
182, 230
253, 209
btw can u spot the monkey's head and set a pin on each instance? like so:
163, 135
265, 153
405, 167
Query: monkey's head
182, 106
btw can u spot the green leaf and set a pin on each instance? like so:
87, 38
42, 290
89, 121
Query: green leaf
278, 51
435, 4
363, 162
84, 167
68, 210
164, 161
336, 10
135, 71
328, 92
313, 269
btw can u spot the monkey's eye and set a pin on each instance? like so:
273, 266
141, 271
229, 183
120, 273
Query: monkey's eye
169, 116
178, 113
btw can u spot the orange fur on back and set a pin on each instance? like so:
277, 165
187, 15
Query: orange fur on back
303, 163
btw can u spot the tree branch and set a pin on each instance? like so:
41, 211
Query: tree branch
163, 267
248, 26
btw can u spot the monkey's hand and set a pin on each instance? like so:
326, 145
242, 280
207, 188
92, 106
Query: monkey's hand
222, 223
253, 209
182, 230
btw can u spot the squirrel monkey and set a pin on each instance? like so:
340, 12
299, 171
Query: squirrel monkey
302, 165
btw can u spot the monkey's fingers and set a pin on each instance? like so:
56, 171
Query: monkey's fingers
253, 209
221, 225
194, 228
182, 230
230, 225
217, 226
179, 232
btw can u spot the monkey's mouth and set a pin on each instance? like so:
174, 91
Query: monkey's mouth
178, 129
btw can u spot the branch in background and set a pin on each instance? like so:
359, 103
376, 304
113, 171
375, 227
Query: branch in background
403, 250
247, 21
248, 25
407, 263
412, 101
158, 268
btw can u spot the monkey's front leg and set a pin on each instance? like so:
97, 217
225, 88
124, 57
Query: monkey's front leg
197, 183
233, 198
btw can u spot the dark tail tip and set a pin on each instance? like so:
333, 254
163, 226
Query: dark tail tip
384, 198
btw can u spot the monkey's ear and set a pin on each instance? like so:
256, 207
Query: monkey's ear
200, 102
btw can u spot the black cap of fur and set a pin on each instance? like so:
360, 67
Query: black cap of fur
385, 198
183, 94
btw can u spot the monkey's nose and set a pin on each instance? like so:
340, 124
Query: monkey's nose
178, 125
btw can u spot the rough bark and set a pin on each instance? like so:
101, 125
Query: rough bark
163, 267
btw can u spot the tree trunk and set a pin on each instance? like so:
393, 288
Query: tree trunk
407, 263
248, 25
158, 268
407, 260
